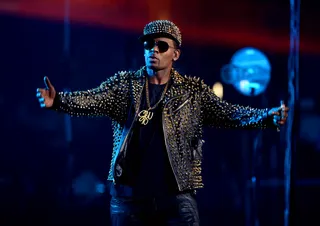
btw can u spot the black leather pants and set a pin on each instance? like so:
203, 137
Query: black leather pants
178, 210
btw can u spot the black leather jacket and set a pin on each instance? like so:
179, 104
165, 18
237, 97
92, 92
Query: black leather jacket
189, 105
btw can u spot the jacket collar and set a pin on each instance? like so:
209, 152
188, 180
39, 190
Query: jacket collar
139, 79
176, 78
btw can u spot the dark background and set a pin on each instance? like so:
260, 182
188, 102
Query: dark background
34, 148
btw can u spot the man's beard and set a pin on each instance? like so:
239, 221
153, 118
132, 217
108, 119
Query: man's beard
154, 68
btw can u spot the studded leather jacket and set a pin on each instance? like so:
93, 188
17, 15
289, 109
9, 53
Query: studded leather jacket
188, 106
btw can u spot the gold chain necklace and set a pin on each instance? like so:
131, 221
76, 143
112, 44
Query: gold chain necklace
146, 115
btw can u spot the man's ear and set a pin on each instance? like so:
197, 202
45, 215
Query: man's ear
176, 55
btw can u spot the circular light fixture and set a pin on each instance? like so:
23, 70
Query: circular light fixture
249, 71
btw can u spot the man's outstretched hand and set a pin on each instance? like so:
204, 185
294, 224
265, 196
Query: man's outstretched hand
279, 114
46, 96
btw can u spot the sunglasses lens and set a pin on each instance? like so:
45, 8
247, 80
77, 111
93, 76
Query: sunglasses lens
148, 44
163, 46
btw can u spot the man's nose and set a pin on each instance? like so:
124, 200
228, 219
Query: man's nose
155, 48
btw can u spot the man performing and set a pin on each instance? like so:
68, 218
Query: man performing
158, 116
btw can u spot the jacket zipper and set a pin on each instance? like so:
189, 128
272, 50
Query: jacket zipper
181, 106
165, 139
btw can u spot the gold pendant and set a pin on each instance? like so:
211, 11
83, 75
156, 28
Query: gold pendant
145, 116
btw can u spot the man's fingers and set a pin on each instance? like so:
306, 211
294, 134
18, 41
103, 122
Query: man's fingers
47, 82
41, 100
276, 117
283, 108
277, 120
40, 92
280, 114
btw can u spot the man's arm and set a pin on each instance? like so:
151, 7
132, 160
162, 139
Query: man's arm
109, 99
218, 113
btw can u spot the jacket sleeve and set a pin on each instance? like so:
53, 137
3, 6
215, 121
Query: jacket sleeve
109, 99
221, 114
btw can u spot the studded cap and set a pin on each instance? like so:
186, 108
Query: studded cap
162, 28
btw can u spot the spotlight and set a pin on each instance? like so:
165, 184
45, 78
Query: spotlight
249, 71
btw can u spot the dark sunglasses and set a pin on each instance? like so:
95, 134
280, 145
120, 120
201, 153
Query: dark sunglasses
162, 45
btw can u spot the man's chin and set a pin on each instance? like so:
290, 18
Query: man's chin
153, 67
